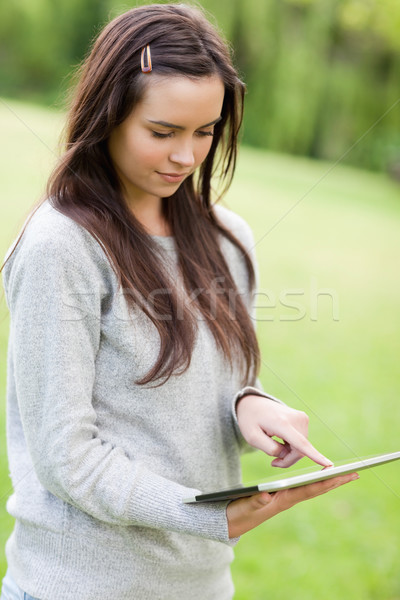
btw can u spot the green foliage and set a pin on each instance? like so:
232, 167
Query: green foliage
41, 41
316, 85
326, 240
320, 73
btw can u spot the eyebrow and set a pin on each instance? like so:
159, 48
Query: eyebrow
172, 126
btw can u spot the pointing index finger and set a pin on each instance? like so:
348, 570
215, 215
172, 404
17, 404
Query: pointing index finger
303, 445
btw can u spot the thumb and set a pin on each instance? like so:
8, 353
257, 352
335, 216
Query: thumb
260, 500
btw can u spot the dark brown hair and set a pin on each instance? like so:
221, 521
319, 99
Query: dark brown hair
85, 186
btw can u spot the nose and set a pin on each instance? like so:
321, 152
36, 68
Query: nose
183, 154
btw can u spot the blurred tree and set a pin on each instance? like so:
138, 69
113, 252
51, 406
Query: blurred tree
320, 73
40, 41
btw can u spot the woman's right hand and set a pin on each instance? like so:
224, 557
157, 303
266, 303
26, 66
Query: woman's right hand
246, 513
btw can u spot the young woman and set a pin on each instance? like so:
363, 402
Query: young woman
132, 353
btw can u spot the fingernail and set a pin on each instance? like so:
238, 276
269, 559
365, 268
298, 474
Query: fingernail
355, 477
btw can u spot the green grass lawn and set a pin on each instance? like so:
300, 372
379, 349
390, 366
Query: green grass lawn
328, 242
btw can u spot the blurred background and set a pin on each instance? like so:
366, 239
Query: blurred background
318, 181
320, 73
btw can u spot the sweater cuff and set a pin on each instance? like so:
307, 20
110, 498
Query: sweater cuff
157, 502
250, 390
246, 391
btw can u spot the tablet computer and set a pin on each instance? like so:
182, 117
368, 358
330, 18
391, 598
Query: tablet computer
296, 479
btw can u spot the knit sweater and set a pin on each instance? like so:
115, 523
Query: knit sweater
99, 464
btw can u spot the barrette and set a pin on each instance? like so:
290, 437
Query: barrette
146, 63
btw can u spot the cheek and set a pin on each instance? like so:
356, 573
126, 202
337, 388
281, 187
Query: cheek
203, 150
147, 151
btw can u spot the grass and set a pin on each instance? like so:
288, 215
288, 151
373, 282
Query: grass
328, 322
329, 241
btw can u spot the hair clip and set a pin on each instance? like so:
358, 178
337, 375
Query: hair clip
146, 68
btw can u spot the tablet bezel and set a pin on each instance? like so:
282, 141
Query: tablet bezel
294, 480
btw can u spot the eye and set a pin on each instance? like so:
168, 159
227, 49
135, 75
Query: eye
161, 136
205, 133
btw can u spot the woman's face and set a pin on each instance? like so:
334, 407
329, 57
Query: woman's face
166, 136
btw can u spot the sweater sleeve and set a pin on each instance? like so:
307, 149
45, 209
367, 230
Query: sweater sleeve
246, 237
54, 345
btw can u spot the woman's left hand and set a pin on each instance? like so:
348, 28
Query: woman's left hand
260, 419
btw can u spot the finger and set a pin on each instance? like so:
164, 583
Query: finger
283, 459
313, 490
321, 487
263, 442
305, 447
291, 457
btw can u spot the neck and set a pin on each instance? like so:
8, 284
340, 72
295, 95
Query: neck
149, 214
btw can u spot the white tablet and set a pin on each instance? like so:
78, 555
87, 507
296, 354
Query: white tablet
295, 480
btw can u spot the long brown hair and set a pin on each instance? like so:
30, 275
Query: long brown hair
85, 186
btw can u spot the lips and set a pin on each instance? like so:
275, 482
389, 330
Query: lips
173, 177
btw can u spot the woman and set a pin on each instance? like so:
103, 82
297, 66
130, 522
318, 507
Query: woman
132, 355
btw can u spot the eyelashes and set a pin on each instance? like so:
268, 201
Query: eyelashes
205, 133
164, 136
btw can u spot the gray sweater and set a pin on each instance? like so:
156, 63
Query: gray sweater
100, 465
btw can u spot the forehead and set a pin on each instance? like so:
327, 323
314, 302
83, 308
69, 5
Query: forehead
178, 99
